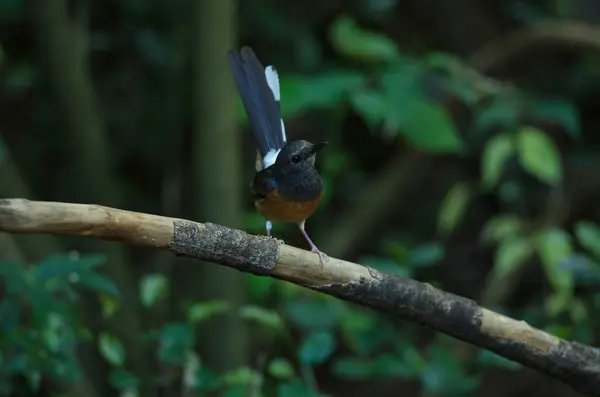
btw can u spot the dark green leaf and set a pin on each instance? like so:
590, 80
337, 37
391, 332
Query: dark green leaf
324, 91
317, 347
503, 111
562, 111
497, 151
99, 283
121, 379
263, 317
111, 349
153, 287
538, 155
62, 266
293, 389
588, 235
426, 255
281, 368
207, 309
176, 340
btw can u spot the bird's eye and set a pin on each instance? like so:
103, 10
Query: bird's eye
296, 159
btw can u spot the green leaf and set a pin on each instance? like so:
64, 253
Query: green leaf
207, 309
312, 314
111, 349
511, 254
497, 151
99, 283
324, 91
502, 112
153, 287
371, 105
317, 347
281, 368
578, 311
501, 227
294, 388
453, 207
62, 266
538, 155
557, 303
176, 340
121, 379
240, 376
109, 304
264, 317
351, 40
588, 235
2, 150
562, 111
554, 246
426, 255
428, 127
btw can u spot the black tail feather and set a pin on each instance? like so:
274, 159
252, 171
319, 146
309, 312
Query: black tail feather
258, 99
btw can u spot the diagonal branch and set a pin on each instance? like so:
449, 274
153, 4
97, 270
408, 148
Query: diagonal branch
575, 364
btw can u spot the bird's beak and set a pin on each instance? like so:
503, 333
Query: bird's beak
318, 146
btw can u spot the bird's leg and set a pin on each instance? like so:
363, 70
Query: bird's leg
322, 256
269, 226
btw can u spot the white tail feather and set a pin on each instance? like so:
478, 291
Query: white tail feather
273, 81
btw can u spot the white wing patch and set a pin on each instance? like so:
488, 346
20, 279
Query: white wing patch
270, 157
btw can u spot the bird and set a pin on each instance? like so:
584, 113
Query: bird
286, 186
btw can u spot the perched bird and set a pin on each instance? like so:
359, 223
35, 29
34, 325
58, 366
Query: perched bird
286, 186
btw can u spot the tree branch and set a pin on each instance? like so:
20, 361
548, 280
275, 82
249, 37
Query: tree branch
571, 362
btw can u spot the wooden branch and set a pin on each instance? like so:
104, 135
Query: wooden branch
575, 364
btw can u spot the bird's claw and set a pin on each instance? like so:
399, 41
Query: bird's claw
323, 258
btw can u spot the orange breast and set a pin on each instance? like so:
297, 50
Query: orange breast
277, 209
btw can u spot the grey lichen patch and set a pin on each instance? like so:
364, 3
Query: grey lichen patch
410, 299
230, 247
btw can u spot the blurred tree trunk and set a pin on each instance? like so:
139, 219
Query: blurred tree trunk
62, 34
216, 173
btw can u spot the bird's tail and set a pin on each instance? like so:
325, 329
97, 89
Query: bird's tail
259, 90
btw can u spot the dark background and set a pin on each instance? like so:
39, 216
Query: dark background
463, 153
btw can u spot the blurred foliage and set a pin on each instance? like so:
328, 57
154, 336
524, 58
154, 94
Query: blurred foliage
507, 214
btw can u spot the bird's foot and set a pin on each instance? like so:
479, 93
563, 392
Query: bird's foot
322, 256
